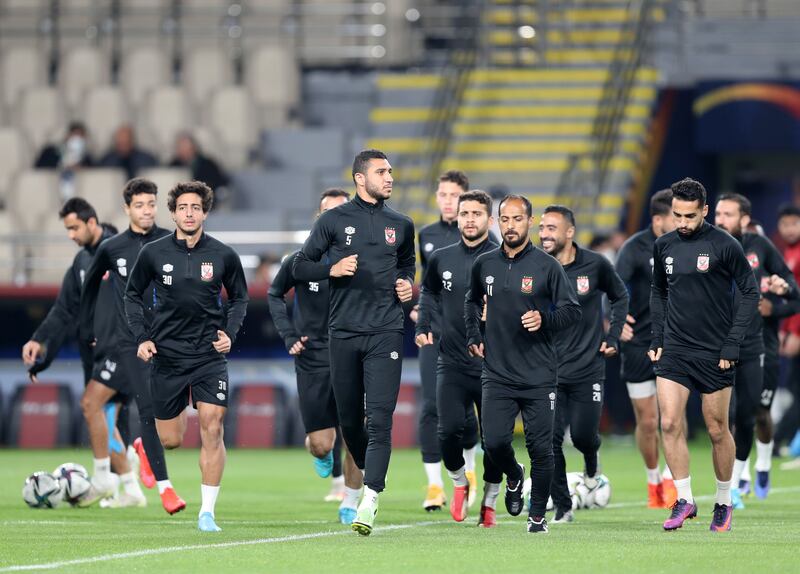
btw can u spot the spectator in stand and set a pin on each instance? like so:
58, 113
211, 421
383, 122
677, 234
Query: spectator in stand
124, 153
203, 168
68, 157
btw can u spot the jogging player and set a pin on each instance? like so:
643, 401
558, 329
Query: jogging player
129, 375
697, 332
528, 299
371, 252
582, 348
306, 339
772, 276
458, 375
190, 332
432, 237
635, 268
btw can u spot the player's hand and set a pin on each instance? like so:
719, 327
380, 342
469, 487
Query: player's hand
608, 351
532, 321
476, 351
30, 351
765, 307
414, 314
297, 348
146, 351
345, 267
485, 307
778, 285
34, 379
223, 342
404, 290
725, 364
627, 329
655, 355
424, 339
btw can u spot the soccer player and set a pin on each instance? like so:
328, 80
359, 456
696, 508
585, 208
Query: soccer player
371, 252
431, 237
129, 375
635, 268
582, 348
306, 339
83, 227
697, 332
458, 375
190, 331
772, 276
528, 300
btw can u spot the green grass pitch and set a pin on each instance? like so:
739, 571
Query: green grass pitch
274, 520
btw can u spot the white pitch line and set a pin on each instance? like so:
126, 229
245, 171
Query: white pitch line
258, 541
165, 522
156, 551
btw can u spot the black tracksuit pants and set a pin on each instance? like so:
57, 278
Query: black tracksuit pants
366, 373
501, 405
578, 406
745, 402
458, 393
428, 416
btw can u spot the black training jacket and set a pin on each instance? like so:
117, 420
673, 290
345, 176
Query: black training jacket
310, 307
62, 319
579, 358
365, 303
187, 306
692, 299
115, 256
765, 260
635, 268
444, 287
531, 281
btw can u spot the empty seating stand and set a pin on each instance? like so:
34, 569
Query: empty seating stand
41, 416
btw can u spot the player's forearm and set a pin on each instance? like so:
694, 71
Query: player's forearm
562, 317
237, 309
280, 317
658, 308
472, 319
306, 269
619, 311
426, 300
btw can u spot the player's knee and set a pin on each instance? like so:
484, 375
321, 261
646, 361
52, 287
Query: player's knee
717, 430
170, 442
89, 405
671, 425
762, 418
318, 447
648, 425
541, 453
495, 444
586, 442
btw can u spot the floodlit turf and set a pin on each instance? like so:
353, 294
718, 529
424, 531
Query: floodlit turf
274, 520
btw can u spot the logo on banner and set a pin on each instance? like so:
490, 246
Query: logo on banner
752, 258
527, 284
583, 284
702, 262
390, 235
206, 271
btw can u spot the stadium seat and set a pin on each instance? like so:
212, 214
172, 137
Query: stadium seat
7, 261
81, 70
103, 189
272, 76
231, 119
22, 67
166, 112
41, 416
51, 258
257, 416
41, 115
142, 70
404, 421
205, 71
165, 179
104, 111
32, 197
13, 158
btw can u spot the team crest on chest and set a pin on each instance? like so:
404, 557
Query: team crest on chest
527, 284
582, 284
390, 235
752, 258
206, 271
702, 262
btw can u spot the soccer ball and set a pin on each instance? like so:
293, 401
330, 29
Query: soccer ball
42, 490
597, 498
74, 481
574, 480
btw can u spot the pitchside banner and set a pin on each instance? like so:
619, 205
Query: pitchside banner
747, 117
